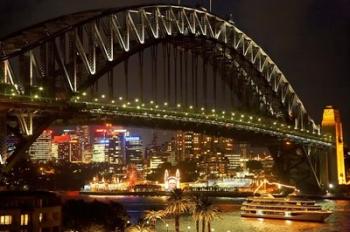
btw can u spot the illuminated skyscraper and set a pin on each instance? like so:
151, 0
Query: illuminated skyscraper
331, 124
187, 145
41, 149
99, 146
69, 147
62, 142
115, 151
134, 151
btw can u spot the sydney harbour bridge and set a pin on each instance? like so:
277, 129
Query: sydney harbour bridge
158, 66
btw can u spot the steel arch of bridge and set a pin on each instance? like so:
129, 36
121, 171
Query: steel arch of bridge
68, 48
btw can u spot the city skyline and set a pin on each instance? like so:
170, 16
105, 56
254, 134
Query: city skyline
168, 115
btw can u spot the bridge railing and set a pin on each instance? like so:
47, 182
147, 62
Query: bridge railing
234, 119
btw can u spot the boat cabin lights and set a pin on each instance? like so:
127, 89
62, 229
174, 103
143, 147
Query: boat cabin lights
287, 214
259, 212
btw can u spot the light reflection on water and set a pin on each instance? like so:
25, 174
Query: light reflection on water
230, 219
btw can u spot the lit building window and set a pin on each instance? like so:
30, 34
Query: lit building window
24, 219
5, 220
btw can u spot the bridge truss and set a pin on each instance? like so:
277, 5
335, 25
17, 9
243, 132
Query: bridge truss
176, 57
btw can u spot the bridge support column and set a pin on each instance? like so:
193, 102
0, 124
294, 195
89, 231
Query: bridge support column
3, 135
293, 166
323, 160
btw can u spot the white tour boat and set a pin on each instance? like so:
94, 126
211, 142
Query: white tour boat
283, 208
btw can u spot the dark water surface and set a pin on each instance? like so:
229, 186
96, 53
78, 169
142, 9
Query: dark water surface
230, 219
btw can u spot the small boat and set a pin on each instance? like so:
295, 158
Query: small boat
283, 208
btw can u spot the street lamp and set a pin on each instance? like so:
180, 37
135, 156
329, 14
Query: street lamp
167, 227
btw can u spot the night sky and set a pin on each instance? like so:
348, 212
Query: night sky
308, 39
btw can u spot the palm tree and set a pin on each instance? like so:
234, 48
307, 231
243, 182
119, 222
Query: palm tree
177, 205
204, 211
153, 216
196, 211
139, 228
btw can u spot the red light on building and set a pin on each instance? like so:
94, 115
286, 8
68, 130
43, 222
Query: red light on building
61, 138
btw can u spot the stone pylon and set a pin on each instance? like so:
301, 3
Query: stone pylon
331, 125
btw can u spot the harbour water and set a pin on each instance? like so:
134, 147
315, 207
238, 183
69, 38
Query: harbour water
229, 217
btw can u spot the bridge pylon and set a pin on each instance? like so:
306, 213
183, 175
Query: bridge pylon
333, 163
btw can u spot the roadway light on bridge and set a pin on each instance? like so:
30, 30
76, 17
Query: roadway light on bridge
103, 96
274, 123
120, 98
123, 105
213, 110
112, 101
156, 106
128, 103
242, 115
202, 109
259, 119
95, 99
36, 96
41, 88
165, 104
84, 93
178, 105
138, 107
251, 117
191, 107
233, 114
136, 100
223, 112
151, 102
